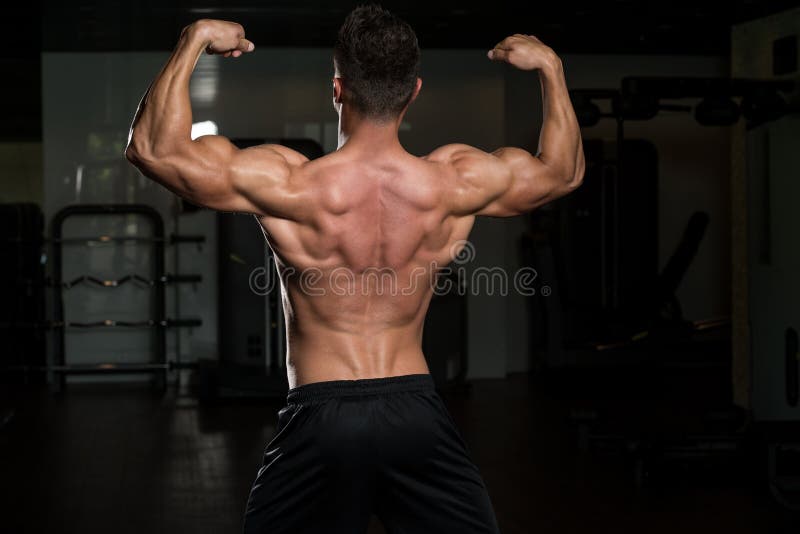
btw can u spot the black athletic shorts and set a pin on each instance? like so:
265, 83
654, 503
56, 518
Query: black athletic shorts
347, 449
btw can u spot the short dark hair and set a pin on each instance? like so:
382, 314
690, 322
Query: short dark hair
377, 55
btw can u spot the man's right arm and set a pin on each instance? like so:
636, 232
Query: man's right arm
511, 181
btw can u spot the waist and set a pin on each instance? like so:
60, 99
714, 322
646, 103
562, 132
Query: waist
328, 389
312, 359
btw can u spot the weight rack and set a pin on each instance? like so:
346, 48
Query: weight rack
159, 366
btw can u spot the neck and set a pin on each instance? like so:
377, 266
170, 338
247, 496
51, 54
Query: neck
356, 131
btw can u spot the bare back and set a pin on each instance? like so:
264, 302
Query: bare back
357, 275
357, 234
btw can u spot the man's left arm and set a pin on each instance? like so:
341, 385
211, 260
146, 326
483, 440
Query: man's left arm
209, 171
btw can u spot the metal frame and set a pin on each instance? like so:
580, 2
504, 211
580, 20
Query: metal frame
61, 369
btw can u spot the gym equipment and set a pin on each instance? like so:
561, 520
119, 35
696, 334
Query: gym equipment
108, 368
135, 278
600, 203
717, 111
23, 324
146, 323
773, 263
597, 249
676, 373
783, 466
639, 98
666, 305
765, 287
773, 293
160, 366
173, 239
657, 388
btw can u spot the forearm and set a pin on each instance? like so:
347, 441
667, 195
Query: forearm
164, 118
560, 146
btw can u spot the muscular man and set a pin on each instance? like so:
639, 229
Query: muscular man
363, 430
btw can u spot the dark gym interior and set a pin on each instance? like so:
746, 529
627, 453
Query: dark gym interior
650, 381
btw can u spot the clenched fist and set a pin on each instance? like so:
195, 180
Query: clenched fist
221, 37
525, 52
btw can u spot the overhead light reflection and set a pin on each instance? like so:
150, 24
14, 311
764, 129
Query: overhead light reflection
204, 128
205, 81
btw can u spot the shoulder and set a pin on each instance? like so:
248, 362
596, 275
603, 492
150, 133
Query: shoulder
465, 161
269, 165
448, 154
278, 155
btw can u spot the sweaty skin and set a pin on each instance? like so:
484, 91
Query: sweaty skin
357, 234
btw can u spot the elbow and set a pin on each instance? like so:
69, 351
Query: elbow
143, 152
131, 155
137, 152
577, 177
568, 180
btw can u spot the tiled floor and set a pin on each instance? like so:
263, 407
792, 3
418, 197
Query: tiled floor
124, 460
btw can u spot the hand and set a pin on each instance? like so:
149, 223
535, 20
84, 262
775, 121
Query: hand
525, 52
222, 37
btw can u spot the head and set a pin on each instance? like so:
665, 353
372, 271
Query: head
376, 59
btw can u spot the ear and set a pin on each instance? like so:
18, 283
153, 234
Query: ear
337, 90
417, 88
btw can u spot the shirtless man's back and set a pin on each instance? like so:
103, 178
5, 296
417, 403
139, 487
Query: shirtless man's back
358, 237
359, 286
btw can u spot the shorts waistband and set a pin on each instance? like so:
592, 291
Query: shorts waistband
365, 386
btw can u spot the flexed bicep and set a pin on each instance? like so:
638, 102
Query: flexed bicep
504, 183
209, 171
511, 181
532, 184
212, 172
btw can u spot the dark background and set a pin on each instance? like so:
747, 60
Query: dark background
581, 27
629, 407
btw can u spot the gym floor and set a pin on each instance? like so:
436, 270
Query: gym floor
123, 459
